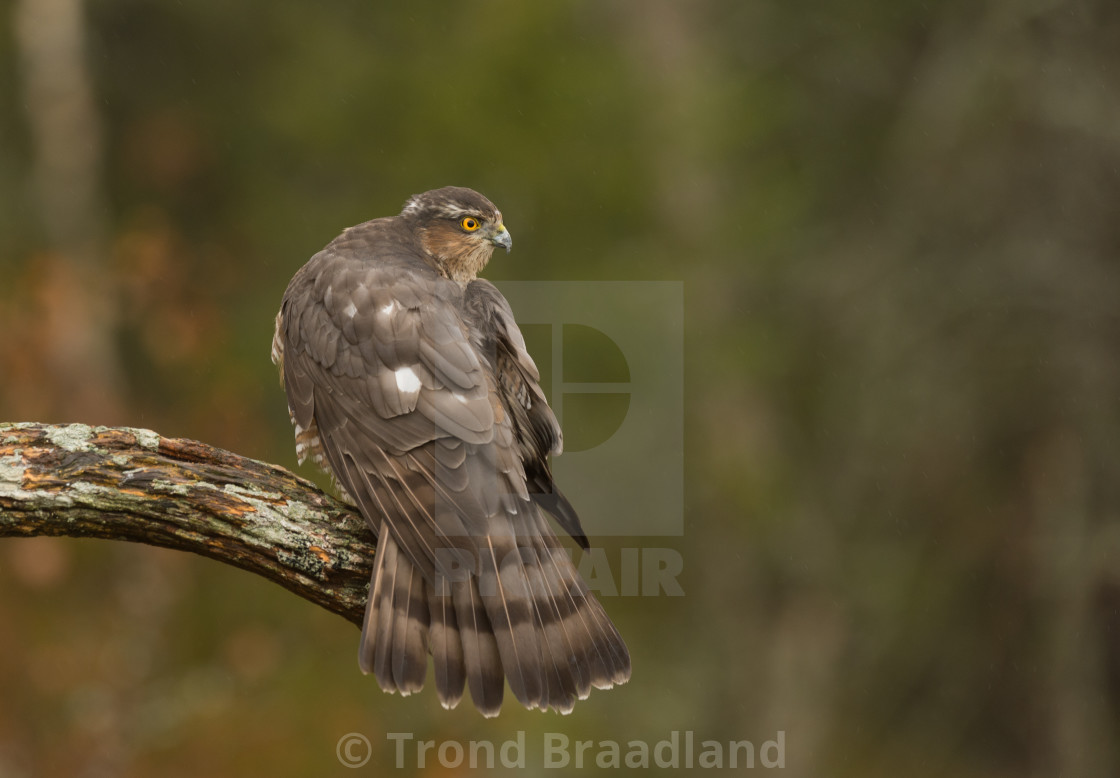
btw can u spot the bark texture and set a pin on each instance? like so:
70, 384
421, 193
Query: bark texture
121, 483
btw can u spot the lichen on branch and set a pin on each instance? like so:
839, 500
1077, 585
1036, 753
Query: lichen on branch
120, 483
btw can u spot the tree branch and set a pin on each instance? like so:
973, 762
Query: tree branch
121, 483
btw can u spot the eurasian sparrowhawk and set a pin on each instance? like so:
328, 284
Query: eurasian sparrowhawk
409, 381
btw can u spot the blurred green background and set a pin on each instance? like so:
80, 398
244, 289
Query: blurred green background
897, 225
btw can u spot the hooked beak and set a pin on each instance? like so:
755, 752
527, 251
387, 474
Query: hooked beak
502, 238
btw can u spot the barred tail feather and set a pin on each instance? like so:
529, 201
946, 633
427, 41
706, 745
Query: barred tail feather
447, 648
394, 644
483, 663
562, 665
367, 646
410, 628
510, 606
601, 657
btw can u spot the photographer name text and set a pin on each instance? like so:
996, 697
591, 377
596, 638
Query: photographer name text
681, 749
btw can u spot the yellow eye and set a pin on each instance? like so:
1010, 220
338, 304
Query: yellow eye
469, 223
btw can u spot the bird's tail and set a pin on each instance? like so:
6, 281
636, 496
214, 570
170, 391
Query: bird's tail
519, 611
395, 632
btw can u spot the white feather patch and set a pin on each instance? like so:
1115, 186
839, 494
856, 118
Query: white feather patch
350, 310
407, 380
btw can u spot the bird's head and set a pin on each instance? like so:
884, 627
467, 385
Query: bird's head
458, 229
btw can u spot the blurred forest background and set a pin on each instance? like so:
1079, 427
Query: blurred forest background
898, 229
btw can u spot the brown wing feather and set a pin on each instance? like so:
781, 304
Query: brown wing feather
538, 433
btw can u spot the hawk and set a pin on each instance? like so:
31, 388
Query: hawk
409, 382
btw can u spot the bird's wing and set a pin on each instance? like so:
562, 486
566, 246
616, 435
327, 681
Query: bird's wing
377, 358
536, 431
